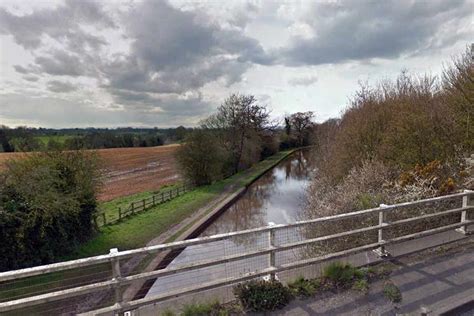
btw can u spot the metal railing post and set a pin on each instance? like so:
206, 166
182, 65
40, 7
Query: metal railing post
381, 251
116, 274
465, 203
271, 245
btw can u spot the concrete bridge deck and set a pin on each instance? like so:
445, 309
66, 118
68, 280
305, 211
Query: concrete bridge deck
435, 282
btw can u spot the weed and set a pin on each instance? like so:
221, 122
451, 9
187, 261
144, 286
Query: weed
302, 287
259, 295
342, 275
392, 292
361, 285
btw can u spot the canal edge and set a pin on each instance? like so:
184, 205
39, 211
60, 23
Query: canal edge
163, 259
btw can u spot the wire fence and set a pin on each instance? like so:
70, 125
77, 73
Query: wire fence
106, 218
212, 265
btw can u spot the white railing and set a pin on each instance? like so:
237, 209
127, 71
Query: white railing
115, 283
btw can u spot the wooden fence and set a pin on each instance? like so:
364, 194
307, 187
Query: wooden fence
141, 205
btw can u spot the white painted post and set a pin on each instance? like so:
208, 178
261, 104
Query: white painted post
116, 274
271, 244
381, 251
465, 203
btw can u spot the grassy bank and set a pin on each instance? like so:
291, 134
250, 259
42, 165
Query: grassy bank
137, 230
110, 208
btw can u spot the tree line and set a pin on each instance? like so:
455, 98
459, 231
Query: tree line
24, 139
237, 136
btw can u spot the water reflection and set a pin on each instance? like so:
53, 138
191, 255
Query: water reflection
278, 196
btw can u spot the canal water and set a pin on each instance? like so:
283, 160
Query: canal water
278, 197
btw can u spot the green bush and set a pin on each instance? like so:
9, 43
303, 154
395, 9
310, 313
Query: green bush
361, 285
392, 292
303, 287
46, 206
342, 275
260, 296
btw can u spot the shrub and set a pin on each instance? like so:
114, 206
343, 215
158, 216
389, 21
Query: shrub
201, 158
304, 288
46, 206
259, 295
392, 292
361, 285
342, 275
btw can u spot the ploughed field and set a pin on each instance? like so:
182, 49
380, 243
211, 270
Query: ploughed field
130, 170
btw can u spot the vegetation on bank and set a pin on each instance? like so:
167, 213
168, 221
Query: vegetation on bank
47, 202
398, 141
236, 137
139, 229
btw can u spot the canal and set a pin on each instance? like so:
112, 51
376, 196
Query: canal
277, 197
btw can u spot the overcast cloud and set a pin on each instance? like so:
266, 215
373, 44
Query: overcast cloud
159, 63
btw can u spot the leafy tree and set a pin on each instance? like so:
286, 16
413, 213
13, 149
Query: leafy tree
201, 158
47, 201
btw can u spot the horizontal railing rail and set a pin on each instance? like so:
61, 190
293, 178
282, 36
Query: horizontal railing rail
116, 281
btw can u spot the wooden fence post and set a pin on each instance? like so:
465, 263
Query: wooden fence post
381, 251
154, 200
133, 207
120, 212
144, 204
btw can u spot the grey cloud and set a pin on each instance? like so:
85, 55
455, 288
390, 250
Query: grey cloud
175, 51
31, 78
61, 63
58, 112
21, 69
61, 23
169, 105
303, 81
358, 30
61, 87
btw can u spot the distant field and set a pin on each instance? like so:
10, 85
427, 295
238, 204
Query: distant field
130, 170
58, 138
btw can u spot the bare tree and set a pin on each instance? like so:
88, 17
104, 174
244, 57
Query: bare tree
241, 123
300, 124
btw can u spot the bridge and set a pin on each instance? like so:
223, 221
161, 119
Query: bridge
101, 285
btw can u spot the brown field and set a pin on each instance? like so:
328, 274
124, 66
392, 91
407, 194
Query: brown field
131, 170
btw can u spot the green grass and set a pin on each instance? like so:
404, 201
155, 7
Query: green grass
135, 231
61, 139
110, 208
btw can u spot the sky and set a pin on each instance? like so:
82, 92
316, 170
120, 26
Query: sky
115, 63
